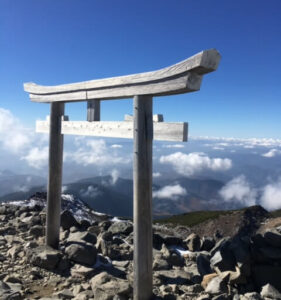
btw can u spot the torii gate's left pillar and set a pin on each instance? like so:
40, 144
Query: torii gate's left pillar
55, 175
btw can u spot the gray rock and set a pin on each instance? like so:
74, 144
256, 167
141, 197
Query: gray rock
193, 242
216, 286
175, 259
4, 289
82, 272
67, 220
82, 253
192, 273
270, 292
251, 296
82, 236
172, 277
224, 259
105, 287
36, 231
203, 264
159, 263
207, 243
270, 253
173, 241
44, 257
264, 274
95, 229
64, 294
157, 241
222, 297
273, 238
121, 228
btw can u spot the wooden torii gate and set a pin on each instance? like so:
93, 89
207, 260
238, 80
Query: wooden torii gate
182, 77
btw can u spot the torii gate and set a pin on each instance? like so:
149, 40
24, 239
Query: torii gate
182, 77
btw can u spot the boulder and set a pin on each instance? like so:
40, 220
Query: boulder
264, 274
82, 236
82, 253
121, 228
67, 220
44, 257
224, 259
36, 231
216, 286
105, 287
273, 238
269, 291
82, 272
193, 242
207, 243
203, 264
251, 296
175, 259
207, 278
172, 277
192, 273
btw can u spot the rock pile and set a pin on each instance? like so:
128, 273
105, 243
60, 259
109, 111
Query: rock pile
95, 259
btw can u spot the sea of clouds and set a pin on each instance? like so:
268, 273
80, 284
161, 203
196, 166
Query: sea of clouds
249, 168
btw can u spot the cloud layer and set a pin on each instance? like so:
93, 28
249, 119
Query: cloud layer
172, 192
189, 164
239, 191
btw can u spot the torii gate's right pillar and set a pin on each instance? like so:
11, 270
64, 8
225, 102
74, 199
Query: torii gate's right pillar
143, 137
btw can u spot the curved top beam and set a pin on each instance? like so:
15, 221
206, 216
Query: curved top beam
182, 77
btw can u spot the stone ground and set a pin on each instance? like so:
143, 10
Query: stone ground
95, 256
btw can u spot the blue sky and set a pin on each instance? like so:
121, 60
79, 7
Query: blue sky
55, 42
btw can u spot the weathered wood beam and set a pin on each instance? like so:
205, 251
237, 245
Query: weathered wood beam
162, 131
143, 137
183, 77
189, 82
93, 110
55, 175
155, 118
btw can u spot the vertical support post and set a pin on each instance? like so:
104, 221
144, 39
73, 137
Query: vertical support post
93, 110
143, 136
55, 176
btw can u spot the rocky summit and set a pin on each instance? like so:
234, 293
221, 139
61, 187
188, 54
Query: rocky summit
96, 251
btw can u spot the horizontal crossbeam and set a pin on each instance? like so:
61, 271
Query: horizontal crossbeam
182, 77
161, 130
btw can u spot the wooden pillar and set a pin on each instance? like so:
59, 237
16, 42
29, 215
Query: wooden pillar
143, 136
93, 110
55, 175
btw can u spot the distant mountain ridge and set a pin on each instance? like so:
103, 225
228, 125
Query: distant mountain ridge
114, 196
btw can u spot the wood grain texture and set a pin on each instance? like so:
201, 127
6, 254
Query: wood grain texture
188, 82
143, 136
55, 176
162, 131
93, 110
161, 82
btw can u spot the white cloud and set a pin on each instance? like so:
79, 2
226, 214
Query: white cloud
13, 136
116, 146
114, 176
37, 157
173, 146
91, 191
240, 142
239, 191
218, 148
188, 164
271, 153
64, 189
156, 174
271, 196
94, 152
170, 191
